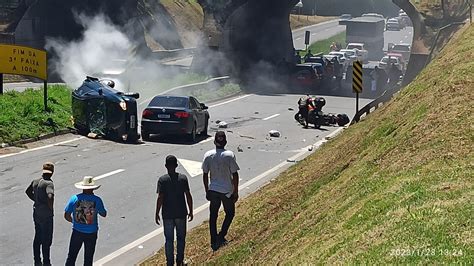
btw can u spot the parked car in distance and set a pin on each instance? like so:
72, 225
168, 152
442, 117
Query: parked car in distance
392, 25
389, 59
343, 58
307, 75
175, 115
362, 52
98, 108
402, 48
345, 17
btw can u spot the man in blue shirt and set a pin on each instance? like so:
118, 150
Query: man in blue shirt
81, 211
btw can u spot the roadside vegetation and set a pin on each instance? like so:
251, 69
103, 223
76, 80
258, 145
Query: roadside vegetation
396, 188
323, 45
22, 114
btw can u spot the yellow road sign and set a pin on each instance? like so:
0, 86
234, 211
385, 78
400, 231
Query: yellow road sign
23, 60
357, 83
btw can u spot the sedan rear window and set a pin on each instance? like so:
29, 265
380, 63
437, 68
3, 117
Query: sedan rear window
163, 101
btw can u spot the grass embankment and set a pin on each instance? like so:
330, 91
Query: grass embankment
22, 114
324, 45
299, 21
395, 188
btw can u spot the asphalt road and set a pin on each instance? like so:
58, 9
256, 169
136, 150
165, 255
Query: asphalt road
319, 32
128, 174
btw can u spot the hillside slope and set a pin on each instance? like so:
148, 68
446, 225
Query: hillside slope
394, 188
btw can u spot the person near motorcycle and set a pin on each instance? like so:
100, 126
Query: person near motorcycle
305, 103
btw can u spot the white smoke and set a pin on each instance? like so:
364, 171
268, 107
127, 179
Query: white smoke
101, 48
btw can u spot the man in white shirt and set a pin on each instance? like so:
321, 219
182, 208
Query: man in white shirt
220, 166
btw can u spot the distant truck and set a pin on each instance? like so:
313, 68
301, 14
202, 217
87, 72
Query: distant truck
368, 30
402, 48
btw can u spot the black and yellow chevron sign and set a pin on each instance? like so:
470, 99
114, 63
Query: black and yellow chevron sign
357, 84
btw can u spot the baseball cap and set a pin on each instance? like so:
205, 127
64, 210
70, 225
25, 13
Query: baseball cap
48, 168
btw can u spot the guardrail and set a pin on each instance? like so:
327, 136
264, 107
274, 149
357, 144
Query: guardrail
170, 54
212, 83
373, 105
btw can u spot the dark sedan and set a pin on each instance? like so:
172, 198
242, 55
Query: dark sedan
175, 115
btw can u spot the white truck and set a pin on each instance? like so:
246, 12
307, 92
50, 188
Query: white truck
364, 54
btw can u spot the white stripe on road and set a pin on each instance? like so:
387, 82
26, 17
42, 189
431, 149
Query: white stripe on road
270, 117
42, 147
298, 38
229, 101
109, 174
203, 207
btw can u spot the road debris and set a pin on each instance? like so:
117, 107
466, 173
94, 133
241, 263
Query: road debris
274, 133
222, 124
310, 148
291, 160
93, 135
256, 113
218, 121
290, 109
239, 149
248, 137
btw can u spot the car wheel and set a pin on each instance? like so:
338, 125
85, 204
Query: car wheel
145, 136
192, 135
206, 125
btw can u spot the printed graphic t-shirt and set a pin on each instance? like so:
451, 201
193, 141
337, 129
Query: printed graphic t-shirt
84, 209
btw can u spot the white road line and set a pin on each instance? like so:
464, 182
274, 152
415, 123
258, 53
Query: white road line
270, 117
298, 38
203, 207
229, 101
109, 174
42, 147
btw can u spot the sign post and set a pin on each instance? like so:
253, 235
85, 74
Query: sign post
22, 60
357, 81
1, 83
307, 35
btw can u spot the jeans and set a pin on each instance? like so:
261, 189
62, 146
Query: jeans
168, 226
216, 199
75, 244
43, 239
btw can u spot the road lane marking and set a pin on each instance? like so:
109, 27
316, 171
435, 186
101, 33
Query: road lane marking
203, 207
298, 38
42, 147
108, 174
270, 117
229, 101
192, 167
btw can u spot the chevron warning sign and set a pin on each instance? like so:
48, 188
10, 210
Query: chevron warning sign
357, 84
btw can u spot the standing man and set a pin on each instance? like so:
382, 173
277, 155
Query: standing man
41, 192
84, 208
223, 188
374, 77
171, 190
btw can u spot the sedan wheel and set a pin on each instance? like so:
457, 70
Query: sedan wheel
192, 136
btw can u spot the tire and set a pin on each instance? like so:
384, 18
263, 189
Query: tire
192, 135
342, 119
206, 125
145, 136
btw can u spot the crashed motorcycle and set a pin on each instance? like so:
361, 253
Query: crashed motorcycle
318, 118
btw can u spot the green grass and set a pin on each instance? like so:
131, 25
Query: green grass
396, 188
206, 95
323, 45
22, 113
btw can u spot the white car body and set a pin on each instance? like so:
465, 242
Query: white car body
343, 58
360, 47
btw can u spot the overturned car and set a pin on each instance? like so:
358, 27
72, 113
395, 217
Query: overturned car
100, 109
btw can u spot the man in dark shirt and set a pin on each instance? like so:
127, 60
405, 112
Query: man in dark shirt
171, 190
41, 192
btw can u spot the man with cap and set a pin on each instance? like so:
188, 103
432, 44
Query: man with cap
220, 166
81, 211
172, 189
41, 192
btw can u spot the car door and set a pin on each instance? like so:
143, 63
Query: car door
198, 112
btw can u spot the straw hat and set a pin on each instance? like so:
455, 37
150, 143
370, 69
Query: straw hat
87, 183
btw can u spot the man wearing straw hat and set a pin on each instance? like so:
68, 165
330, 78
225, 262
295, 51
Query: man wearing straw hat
81, 211
41, 191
